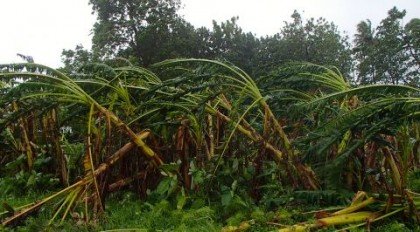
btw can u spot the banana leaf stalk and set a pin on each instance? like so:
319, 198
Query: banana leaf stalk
349, 215
76, 187
334, 221
74, 93
26, 143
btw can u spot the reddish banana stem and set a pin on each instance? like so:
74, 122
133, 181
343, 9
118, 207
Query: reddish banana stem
26, 142
86, 180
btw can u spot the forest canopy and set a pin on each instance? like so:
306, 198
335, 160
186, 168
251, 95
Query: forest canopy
146, 32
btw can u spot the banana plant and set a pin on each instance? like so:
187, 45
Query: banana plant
149, 124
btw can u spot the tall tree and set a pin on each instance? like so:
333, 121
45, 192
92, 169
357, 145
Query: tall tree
317, 41
228, 41
364, 53
412, 45
74, 59
389, 53
412, 38
144, 31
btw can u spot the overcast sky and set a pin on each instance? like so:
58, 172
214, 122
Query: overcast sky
43, 28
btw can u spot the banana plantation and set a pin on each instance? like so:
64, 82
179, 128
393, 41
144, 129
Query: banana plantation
202, 143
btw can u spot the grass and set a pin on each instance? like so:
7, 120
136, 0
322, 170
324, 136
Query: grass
125, 212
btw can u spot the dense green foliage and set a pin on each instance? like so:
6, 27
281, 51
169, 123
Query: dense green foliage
301, 135
145, 32
389, 54
121, 137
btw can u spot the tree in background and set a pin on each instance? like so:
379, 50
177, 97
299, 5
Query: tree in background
364, 52
412, 45
389, 53
145, 32
227, 41
75, 59
317, 41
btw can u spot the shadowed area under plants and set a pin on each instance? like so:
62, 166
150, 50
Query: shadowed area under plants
201, 144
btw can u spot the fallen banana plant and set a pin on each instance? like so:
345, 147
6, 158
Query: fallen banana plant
205, 114
363, 211
74, 193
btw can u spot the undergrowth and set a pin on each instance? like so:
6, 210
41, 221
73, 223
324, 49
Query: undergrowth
126, 212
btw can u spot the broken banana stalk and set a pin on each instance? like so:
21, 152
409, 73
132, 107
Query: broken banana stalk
349, 215
341, 219
87, 180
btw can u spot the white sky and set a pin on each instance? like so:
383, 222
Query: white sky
43, 28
